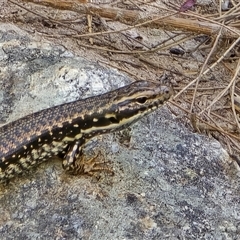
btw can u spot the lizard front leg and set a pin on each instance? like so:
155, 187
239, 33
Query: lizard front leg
75, 163
69, 162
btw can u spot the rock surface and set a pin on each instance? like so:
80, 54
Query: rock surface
169, 183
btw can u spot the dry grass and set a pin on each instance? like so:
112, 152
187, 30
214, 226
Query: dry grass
199, 50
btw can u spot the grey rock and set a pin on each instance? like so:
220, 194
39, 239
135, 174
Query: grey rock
169, 182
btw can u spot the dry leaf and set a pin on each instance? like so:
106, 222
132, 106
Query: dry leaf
187, 5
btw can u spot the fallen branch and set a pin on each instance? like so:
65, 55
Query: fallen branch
136, 18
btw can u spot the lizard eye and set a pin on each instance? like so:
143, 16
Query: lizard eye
141, 100
113, 120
